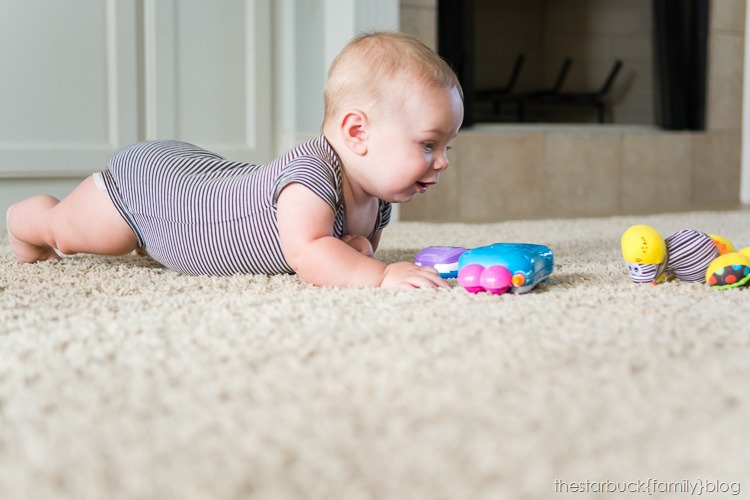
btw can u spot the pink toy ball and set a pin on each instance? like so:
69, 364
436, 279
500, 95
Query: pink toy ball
476, 278
470, 276
496, 279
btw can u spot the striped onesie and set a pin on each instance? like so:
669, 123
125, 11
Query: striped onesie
200, 214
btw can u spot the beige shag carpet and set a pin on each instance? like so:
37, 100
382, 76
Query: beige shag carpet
119, 379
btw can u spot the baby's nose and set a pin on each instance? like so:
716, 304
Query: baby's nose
441, 162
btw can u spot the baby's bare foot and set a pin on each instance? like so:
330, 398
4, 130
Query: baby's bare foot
30, 253
26, 252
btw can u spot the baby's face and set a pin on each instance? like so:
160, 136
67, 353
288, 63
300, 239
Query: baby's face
407, 147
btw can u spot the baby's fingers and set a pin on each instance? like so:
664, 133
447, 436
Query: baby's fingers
427, 277
410, 275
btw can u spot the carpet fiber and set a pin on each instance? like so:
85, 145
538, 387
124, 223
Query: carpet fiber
119, 379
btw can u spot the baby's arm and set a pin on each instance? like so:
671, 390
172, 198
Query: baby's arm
306, 233
359, 243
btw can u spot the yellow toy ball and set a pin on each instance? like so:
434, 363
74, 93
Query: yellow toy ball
642, 244
723, 244
745, 251
729, 271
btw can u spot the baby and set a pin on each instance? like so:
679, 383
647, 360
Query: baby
391, 108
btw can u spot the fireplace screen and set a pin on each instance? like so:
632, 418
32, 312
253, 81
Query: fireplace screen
579, 61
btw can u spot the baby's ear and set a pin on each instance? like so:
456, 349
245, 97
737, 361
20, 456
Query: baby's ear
354, 131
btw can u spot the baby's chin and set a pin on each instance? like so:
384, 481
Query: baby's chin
404, 195
418, 189
403, 198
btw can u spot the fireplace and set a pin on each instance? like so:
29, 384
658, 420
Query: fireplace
628, 62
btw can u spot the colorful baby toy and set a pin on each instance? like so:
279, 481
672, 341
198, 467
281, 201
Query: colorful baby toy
687, 255
497, 268
443, 259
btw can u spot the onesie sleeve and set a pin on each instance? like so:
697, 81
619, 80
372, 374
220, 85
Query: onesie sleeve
315, 175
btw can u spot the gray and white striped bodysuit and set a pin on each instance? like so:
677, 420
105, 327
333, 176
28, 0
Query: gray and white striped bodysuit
200, 214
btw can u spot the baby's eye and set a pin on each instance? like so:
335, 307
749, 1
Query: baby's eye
428, 147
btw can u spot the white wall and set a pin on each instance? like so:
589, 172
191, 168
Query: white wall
307, 36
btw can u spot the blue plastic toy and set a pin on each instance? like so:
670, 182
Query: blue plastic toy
497, 268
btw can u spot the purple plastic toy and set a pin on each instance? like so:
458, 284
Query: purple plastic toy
443, 259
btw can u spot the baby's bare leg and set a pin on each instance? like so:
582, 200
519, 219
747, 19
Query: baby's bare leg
84, 221
16, 218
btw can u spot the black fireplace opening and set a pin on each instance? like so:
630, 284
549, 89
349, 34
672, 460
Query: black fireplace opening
579, 61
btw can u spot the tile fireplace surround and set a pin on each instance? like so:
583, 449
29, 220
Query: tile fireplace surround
502, 172
522, 171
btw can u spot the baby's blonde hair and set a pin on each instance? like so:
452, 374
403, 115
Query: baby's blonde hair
358, 72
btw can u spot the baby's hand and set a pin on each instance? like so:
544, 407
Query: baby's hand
359, 243
408, 275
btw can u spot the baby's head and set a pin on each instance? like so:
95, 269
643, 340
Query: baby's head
364, 72
392, 107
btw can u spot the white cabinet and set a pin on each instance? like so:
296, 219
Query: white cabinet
80, 79
68, 85
207, 74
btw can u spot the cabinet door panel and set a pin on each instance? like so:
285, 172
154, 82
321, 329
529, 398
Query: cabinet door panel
207, 75
68, 85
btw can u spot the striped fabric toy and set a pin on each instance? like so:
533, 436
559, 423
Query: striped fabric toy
687, 255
